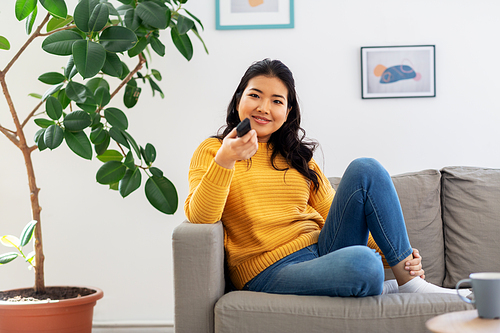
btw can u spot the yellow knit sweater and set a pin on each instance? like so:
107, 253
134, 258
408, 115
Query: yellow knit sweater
267, 214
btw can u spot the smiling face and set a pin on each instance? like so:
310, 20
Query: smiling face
264, 101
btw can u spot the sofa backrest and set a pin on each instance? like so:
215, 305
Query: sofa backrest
471, 216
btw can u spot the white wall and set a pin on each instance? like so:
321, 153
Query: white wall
93, 237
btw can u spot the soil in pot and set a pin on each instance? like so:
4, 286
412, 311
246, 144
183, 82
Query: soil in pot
51, 293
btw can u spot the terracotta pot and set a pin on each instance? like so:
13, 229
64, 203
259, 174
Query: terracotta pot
63, 316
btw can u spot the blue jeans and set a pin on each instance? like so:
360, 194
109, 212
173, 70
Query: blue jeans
341, 264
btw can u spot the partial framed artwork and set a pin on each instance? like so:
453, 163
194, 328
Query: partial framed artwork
254, 14
398, 71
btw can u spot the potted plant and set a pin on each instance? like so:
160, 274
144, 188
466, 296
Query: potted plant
76, 109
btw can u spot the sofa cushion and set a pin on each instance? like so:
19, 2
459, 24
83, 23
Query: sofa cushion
246, 311
419, 195
471, 217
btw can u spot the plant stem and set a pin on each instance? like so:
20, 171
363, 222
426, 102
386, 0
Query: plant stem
19, 139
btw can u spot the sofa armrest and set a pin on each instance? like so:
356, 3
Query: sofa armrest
198, 253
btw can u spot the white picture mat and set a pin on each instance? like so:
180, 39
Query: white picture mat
420, 58
227, 18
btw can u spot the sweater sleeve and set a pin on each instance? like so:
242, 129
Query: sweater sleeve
208, 185
321, 200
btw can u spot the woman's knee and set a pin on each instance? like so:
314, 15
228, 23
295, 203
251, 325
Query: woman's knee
367, 168
369, 270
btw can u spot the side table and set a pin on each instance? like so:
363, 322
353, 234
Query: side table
462, 322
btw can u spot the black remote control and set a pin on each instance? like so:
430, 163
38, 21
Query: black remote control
243, 127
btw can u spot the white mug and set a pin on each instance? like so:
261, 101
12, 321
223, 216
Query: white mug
486, 289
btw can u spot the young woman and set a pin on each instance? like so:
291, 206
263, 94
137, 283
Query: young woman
286, 230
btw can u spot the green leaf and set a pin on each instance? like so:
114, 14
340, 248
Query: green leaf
52, 90
129, 161
70, 68
131, 95
61, 42
79, 143
132, 20
110, 155
156, 74
53, 136
53, 108
117, 39
56, 23
112, 65
138, 47
24, 8
184, 24
7, 257
39, 139
99, 17
83, 11
51, 78
195, 18
34, 95
195, 31
130, 182
63, 98
77, 92
149, 153
89, 107
157, 46
152, 14
101, 147
134, 145
161, 193
182, 43
97, 82
102, 96
27, 233
118, 136
116, 118
43, 123
4, 43
30, 21
55, 7
111, 172
155, 87
77, 121
89, 57
156, 172
98, 134
125, 71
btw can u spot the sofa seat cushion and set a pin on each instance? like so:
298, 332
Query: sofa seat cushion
419, 194
471, 217
246, 311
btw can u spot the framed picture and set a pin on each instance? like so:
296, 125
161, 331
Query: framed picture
254, 14
398, 71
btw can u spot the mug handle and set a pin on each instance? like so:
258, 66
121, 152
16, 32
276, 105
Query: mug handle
466, 300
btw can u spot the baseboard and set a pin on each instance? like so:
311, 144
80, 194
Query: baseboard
132, 327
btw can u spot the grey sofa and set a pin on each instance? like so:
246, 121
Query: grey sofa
452, 216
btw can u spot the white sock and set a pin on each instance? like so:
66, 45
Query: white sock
390, 287
418, 285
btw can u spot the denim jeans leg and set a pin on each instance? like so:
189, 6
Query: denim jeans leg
366, 201
352, 271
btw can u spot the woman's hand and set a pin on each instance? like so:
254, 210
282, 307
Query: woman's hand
235, 148
414, 266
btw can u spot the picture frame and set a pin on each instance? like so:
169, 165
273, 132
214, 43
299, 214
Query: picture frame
254, 14
398, 71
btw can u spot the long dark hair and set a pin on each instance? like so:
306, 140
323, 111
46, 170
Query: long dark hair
289, 139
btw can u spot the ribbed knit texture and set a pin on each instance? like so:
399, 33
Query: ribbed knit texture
267, 214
